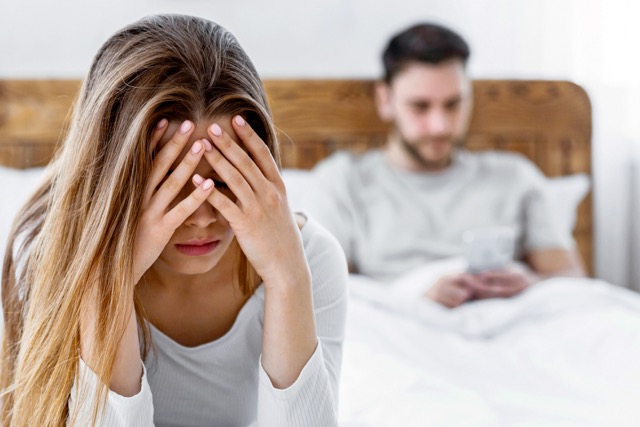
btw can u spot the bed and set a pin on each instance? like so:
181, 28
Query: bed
547, 121
564, 353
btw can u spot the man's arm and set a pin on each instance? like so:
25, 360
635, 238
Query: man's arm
555, 262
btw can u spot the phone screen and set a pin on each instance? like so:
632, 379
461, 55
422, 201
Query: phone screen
489, 248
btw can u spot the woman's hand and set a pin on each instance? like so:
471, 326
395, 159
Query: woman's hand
259, 215
258, 210
158, 218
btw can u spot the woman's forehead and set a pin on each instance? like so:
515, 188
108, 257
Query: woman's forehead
200, 131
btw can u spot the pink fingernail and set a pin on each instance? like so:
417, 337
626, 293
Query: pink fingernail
162, 123
207, 184
198, 179
239, 121
197, 146
185, 127
216, 130
207, 145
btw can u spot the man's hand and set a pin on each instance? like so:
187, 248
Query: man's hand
452, 291
500, 284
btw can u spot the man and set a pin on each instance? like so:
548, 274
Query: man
395, 209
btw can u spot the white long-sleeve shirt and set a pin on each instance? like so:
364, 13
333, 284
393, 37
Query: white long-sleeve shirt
223, 383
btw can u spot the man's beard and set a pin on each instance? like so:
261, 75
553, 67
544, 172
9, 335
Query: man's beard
415, 154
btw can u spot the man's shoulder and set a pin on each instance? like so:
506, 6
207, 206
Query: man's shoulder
345, 162
498, 156
501, 161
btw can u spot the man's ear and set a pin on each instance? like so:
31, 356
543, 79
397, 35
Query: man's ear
383, 101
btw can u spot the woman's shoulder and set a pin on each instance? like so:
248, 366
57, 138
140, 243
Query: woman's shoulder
318, 241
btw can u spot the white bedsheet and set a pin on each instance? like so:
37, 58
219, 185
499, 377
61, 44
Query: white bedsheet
564, 353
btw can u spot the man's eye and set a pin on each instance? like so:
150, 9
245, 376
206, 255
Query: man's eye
453, 105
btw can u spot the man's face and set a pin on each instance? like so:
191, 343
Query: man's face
430, 107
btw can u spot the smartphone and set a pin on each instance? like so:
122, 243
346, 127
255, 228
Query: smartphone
490, 248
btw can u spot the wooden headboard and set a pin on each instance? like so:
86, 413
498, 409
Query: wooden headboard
547, 121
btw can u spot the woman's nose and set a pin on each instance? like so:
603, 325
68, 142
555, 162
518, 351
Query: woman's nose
204, 216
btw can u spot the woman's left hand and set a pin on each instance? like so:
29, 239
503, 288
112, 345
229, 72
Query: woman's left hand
259, 216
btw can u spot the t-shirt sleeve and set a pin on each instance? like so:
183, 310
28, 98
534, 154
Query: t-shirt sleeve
333, 205
542, 230
134, 411
312, 400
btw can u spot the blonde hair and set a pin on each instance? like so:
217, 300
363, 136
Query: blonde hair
75, 236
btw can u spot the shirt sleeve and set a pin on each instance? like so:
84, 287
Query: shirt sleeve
542, 229
332, 205
312, 400
134, 411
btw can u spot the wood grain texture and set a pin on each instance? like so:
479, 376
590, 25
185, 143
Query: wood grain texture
33, 116
547, 121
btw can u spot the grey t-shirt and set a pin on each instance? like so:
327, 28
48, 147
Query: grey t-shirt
390, 221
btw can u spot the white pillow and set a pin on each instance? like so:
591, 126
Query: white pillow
302, 188
16, 185
565, 193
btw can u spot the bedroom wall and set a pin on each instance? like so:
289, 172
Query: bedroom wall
588, 41
287, 38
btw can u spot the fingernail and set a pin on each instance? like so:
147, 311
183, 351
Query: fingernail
216, 130
207, 145
198, 179
186, 127
162, 123
239, 121
197, 146
207, 184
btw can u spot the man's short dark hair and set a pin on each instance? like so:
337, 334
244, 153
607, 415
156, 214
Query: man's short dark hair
429, 43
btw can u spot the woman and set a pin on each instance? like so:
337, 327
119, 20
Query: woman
158, 275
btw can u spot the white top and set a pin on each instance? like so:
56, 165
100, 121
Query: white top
390, 221
222, 383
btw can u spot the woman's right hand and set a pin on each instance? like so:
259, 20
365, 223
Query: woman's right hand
159, 217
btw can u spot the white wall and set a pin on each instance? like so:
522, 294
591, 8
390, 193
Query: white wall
589, 41
286, 38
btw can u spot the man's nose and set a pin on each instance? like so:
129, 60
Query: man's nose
437, 122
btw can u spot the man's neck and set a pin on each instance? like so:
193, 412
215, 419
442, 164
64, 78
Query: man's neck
402, 156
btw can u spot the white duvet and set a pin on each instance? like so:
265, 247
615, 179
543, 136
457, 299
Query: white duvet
564, 353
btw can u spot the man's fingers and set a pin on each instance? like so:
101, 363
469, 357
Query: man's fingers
451, 292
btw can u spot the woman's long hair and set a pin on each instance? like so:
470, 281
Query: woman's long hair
76, 234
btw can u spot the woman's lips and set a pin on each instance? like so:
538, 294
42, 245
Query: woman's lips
197, 248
